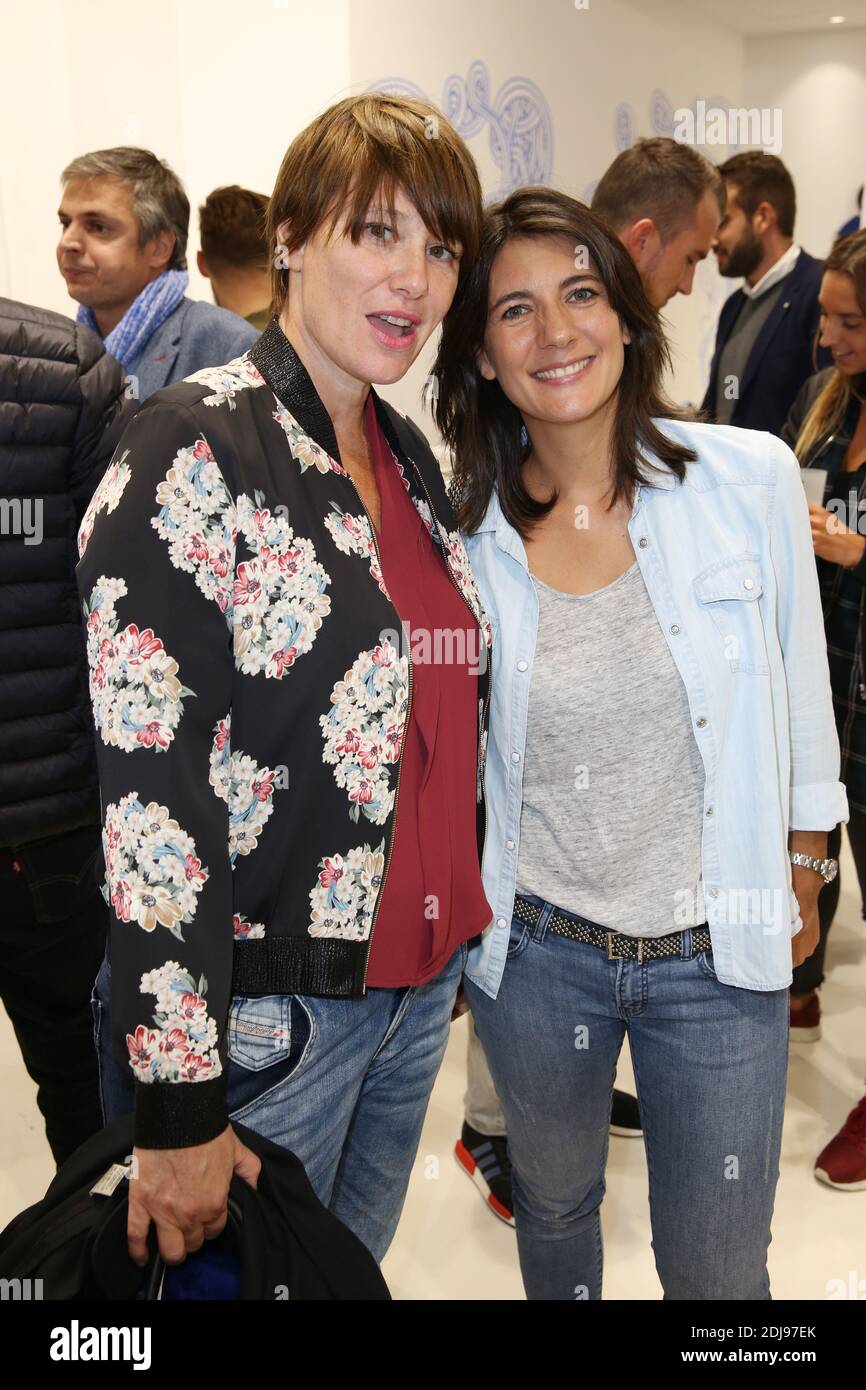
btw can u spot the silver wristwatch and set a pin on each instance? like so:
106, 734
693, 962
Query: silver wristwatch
827, 868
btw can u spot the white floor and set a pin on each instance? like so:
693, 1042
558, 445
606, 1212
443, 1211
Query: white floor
450, 1246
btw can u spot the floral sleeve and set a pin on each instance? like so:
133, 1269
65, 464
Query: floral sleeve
155, 576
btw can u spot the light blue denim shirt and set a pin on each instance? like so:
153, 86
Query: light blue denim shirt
728, 563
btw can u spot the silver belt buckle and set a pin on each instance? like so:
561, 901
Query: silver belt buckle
611, 956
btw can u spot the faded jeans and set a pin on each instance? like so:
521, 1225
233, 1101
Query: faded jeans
710, 1063
481, 1103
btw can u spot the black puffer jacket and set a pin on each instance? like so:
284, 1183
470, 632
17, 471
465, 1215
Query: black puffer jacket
61, 409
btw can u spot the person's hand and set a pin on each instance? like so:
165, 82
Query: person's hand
461, 1005
185, 1193
832, 540
807, 885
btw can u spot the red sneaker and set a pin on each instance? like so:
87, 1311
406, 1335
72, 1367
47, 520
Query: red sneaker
806, 1022
842, 1163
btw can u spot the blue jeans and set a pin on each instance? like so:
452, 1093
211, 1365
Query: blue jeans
343, 1083
710, 1063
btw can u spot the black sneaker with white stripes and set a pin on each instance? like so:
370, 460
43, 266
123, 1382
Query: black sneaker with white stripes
484, 1158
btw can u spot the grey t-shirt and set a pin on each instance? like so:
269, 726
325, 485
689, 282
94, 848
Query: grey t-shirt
613, 780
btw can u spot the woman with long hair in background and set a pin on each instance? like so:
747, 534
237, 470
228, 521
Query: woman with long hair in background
827, 431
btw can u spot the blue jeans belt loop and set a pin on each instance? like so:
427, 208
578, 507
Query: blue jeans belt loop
535, 914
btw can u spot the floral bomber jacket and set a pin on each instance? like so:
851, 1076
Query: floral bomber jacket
249, 708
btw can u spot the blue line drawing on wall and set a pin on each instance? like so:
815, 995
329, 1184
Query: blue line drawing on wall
625, 122
518, 121
661, 113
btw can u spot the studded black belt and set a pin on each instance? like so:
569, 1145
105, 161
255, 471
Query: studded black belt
617, 945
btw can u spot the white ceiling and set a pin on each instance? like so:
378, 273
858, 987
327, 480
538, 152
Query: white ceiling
782, 16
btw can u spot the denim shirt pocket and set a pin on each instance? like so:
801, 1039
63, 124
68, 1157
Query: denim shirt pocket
729, 591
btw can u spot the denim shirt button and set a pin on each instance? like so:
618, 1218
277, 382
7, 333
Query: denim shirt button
515, 757
501, 922
675, 627
522, 665
509, 844
643, 541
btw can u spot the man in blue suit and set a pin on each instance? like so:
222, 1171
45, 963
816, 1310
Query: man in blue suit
765, 345
124, 221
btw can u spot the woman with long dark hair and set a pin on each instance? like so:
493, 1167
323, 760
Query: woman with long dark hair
661, 738
827, 431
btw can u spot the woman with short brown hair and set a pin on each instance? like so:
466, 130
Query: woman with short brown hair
265, 534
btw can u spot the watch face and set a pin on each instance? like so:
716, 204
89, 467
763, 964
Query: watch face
832, 869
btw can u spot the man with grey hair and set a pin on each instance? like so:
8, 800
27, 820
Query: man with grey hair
664, 200
124, 221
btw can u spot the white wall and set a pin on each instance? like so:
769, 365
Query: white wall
819, 83
216, 87
220, 88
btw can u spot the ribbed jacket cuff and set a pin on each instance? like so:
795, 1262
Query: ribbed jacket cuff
177, 1115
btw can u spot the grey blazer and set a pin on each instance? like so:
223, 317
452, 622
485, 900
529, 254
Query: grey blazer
196, 335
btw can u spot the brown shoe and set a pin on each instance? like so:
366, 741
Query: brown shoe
806, 1022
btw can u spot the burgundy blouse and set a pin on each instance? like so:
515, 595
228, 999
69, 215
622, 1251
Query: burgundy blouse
433, 899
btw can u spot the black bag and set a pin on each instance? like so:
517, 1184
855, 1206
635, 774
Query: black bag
279, 1240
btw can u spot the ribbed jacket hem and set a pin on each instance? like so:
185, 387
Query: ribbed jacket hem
329, 967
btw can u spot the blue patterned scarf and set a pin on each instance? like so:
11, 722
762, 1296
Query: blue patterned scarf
143, 317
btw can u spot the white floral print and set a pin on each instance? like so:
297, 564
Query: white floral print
245, 930
151, 867
278, 596
197, 519
308, 453
106, 497
363, 731
344, 898
423, 510
353, 535
135, 690
461, 570
400, 469
182, 1044
234, 376
247, 789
